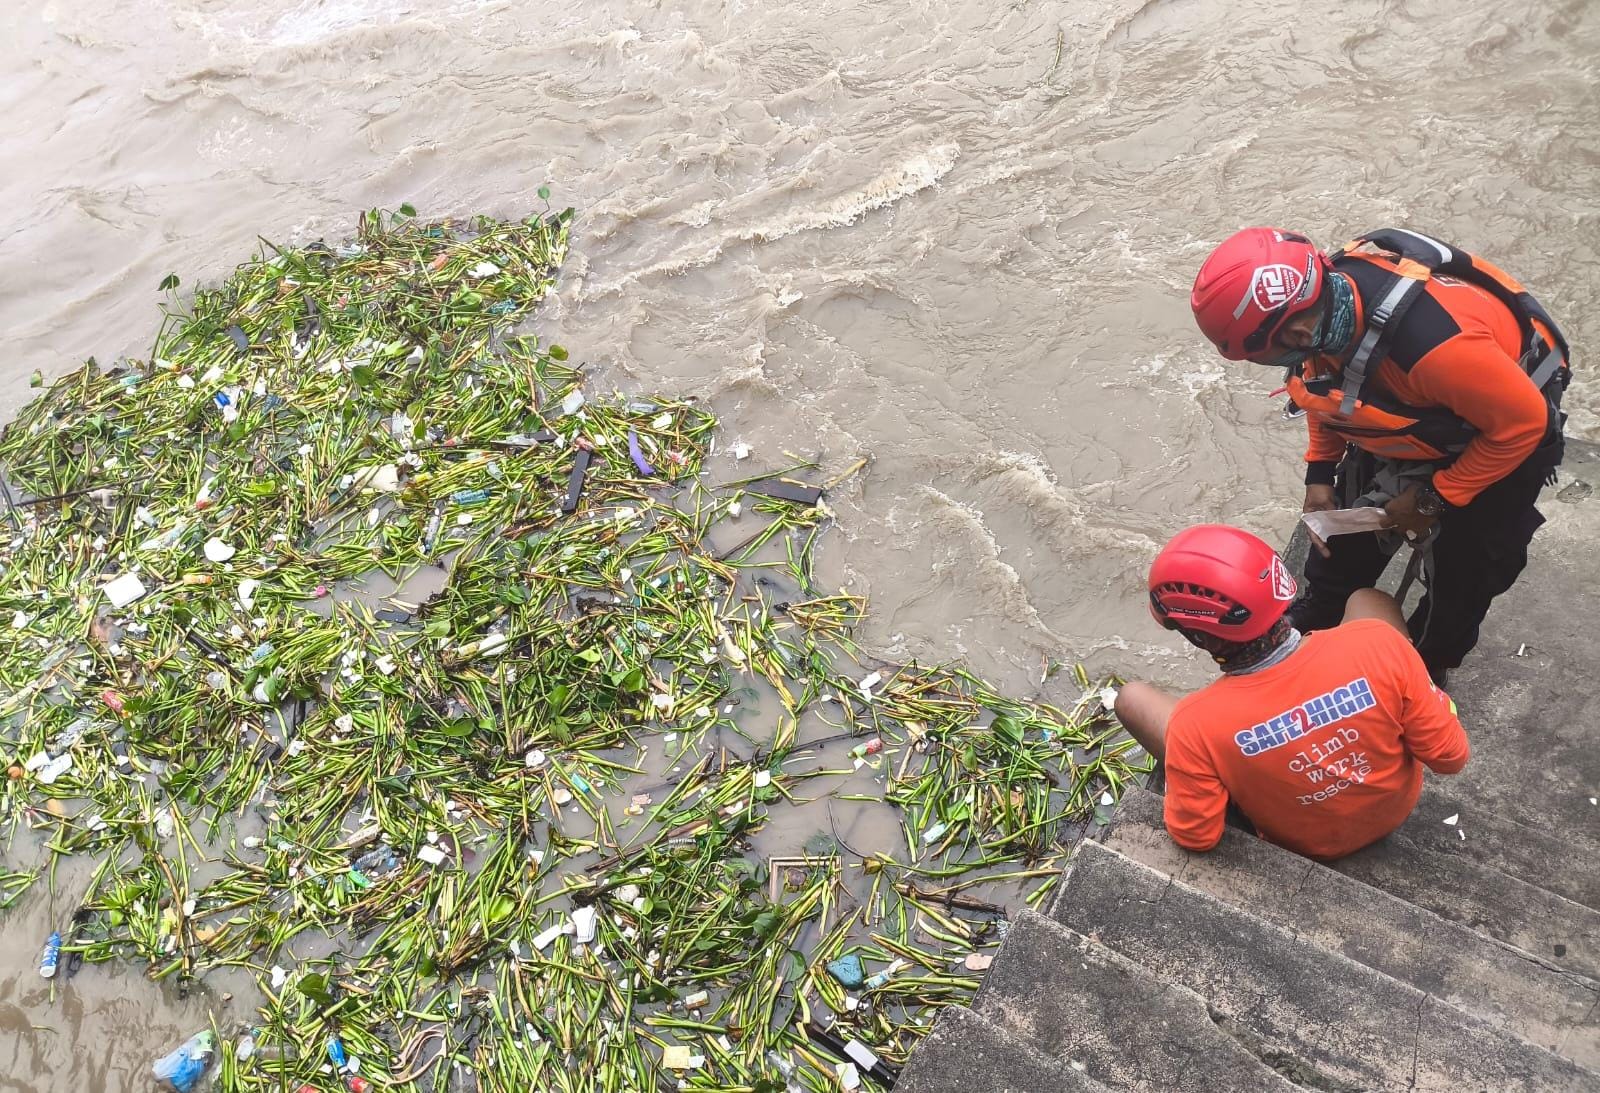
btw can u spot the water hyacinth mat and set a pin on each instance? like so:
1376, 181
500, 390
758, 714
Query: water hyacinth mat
359, 650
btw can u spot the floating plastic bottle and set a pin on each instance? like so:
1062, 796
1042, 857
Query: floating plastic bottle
467, 498
336, 1053
435, 524
52, 956
377, 862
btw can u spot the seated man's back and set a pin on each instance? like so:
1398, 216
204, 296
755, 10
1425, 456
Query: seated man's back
1323, 750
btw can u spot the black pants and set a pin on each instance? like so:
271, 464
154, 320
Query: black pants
1480, 550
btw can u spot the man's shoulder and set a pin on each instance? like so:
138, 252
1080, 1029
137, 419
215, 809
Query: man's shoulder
1351, 638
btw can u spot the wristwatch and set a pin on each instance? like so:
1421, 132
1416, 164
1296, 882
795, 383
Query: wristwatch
1429, 503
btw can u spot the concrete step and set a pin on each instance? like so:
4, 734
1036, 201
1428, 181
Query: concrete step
966, 1054
1081, 1002
1481, 897
1475, 973
1566, 861
1339, 1024
1531, 718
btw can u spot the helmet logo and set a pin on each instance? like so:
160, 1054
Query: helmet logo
1275, 285
1283, 587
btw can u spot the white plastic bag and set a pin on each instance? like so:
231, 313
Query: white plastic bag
1325, 525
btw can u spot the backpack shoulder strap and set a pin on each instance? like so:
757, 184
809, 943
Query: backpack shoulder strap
1383, 316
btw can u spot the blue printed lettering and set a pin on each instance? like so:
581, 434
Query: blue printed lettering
1314, 713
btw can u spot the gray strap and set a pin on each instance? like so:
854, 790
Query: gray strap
1546, 369
1355, 373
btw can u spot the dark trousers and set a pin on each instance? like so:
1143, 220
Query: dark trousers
1479, 552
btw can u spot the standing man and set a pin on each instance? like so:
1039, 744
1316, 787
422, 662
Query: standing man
1432, 385
1320, 741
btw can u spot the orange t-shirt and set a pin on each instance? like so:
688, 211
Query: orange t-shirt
1322, 751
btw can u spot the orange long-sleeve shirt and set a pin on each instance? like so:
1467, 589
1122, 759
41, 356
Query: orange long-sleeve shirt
1323, 751
1457, 347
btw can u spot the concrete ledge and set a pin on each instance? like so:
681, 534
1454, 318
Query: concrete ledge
966, 1054
1081, 1002
1539, 922
1567, 863
1294, 1000
1474, 973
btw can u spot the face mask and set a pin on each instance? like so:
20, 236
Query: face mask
1289, 358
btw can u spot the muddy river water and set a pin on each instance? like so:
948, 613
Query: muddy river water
954, 237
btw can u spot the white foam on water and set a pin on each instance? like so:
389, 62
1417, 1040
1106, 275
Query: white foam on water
311, 22
912, 176
983, 566
904, 179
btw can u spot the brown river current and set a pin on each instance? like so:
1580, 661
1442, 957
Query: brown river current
955, 237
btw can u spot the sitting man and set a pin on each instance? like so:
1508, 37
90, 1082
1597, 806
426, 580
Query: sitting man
1318, 739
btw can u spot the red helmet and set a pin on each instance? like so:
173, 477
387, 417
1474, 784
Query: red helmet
1251, 285
1219, 580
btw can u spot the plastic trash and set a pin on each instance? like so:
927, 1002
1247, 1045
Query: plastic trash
51, 958
786, 490
126, 589
435, 524
584, 921
637, 454
847, 970
469, 497
870, 747
166, 540
336, 1053
861, 1053
375, 863
878, 979
218, 551
182, 1069
580, 467
54, 769
572, 403
384, 478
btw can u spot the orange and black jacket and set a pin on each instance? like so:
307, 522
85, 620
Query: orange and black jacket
1453, 386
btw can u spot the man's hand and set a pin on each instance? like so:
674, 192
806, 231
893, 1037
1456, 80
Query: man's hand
1319, 499
1403, 514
